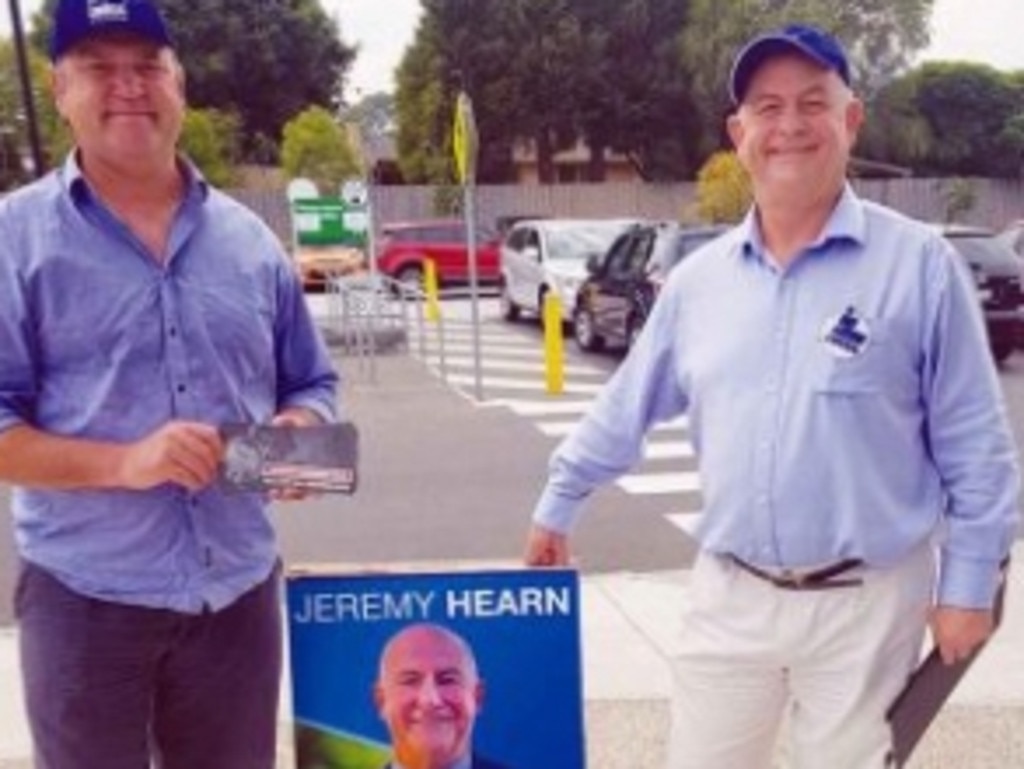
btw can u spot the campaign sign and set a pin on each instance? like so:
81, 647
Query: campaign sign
378, 661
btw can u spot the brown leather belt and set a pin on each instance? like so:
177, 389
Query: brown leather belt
817, 579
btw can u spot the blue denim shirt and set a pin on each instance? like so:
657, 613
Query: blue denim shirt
846, 406
98, 340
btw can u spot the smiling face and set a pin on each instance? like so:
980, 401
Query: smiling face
794, 132
428, 693
123, 98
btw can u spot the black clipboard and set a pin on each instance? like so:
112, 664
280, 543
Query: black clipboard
929, 686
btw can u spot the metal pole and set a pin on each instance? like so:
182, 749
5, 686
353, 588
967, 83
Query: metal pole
26, 89
474, 293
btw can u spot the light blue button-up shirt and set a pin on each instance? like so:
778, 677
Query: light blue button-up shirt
100, 341
844, 407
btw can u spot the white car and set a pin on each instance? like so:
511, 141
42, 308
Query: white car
542, 255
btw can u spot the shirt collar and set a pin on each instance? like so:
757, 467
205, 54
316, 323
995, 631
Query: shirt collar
466, 762
76, 186
847, 223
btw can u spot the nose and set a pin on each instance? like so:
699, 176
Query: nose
791, 120
126, 80
429, 693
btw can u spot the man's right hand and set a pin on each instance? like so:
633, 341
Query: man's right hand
545, 547
185, 453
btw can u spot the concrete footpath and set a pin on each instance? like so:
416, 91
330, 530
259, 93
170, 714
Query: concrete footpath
629, 630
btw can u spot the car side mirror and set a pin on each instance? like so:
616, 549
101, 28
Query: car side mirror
532, 253
594, 264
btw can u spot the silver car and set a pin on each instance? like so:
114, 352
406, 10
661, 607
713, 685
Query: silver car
544, 255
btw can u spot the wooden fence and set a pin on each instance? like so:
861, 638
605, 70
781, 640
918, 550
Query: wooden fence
996, 202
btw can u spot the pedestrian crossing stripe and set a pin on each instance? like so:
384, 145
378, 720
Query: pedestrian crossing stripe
526, 367
508, 383
659, 483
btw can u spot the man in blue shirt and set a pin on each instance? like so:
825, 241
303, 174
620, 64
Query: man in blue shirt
848, 423
139, 309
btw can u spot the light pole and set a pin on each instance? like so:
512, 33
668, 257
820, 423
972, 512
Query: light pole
26, 88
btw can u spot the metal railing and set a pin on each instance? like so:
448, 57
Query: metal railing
371, 314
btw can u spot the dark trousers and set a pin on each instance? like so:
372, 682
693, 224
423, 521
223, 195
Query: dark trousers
110, 686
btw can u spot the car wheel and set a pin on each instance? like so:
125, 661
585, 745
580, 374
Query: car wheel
411, 278
633, 329
509, 309
1001, 351
587, 338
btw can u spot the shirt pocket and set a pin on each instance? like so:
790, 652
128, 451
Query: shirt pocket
879, 368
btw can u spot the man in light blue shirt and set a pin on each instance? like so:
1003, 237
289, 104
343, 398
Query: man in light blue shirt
847, 419
139, 309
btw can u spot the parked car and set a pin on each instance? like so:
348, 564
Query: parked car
1013, 236
997, 274
614, 301
405, 247
542, 255
317, 264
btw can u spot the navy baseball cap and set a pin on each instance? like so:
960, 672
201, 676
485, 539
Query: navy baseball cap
78, 20
816, 44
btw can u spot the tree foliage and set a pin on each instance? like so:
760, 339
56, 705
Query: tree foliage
548, 74
950, 119
15, 148
723, 189
264, 60
210, 138
881, 37
316, 147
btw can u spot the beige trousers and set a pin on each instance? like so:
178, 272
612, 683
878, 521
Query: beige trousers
828, 662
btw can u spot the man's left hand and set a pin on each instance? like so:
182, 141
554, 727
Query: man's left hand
959, 632
294, 417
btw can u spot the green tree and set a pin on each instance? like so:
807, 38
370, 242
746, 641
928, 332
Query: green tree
881, 36
15, 148
959, 197
210, 138
635, 95
548, 73
950, 119
422, 107
723, 189
316, 147
264, 60
969, 106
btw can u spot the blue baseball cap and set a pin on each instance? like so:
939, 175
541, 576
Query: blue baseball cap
78, 20
811, 42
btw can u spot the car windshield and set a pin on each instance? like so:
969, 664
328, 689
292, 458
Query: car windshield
578, 241
986, 251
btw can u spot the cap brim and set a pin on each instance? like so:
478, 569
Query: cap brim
759, 51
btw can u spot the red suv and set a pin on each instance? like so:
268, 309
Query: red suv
404, 247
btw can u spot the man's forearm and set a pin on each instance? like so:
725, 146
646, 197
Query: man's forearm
36, 459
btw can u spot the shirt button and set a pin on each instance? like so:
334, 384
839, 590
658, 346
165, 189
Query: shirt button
173, 331
181, 388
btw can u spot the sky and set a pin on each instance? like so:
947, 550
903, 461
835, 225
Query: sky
987, 31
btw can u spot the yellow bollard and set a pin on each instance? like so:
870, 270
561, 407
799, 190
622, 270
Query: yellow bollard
430, 289
554, 354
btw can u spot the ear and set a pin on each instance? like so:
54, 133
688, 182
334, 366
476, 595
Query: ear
734, 127
58, 86
378, 700
478, 695
854, 118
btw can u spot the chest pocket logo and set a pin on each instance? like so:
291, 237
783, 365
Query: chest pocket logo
847, 335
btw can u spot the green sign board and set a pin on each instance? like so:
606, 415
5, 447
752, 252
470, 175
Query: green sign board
329, 221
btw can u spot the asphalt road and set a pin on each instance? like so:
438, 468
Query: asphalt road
443, 479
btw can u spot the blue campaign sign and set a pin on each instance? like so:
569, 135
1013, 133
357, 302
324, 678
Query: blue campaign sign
362, 643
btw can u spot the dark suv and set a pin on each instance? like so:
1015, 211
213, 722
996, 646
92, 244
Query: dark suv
615, 299
997, 275
404, 248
